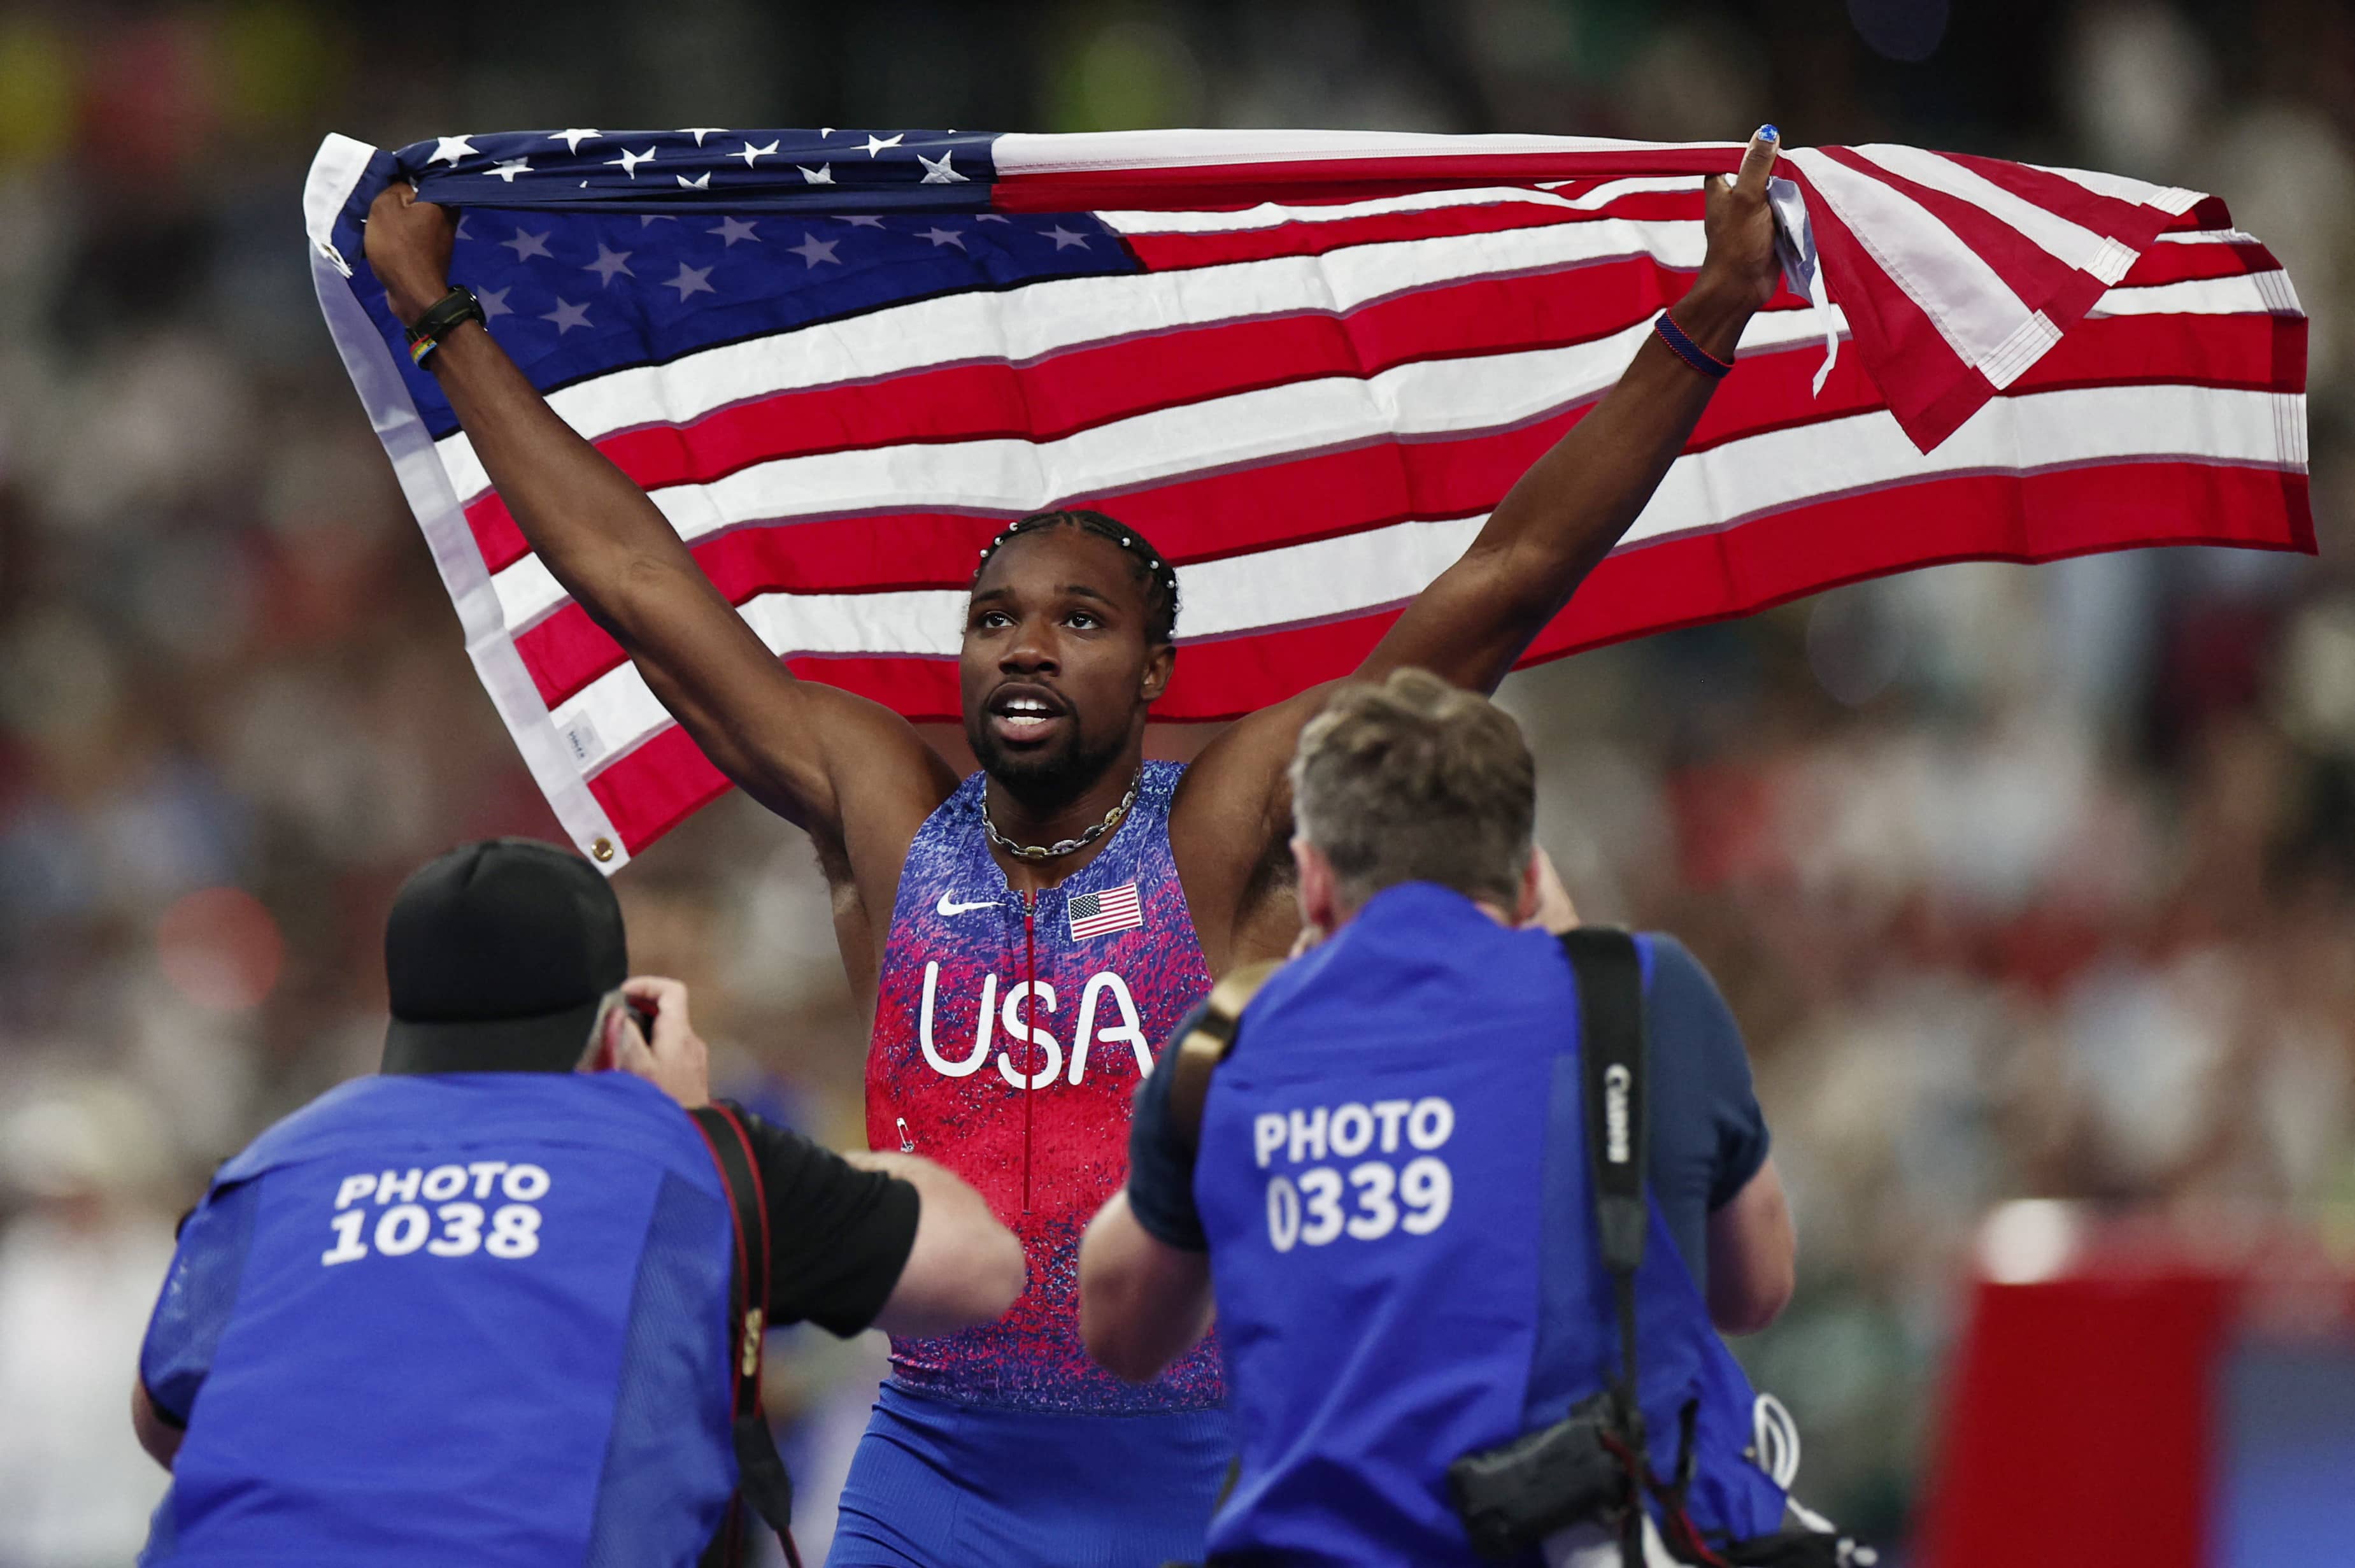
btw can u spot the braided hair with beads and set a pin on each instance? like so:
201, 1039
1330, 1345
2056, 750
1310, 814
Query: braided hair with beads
1160, 577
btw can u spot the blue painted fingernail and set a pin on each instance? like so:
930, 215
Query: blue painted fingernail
1771, 133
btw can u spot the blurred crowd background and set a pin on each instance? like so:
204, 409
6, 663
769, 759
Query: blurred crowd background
2022, 882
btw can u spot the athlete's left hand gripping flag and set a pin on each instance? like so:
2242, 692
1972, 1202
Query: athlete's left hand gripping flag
1304, 363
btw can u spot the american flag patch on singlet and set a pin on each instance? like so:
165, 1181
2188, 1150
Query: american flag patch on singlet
1112, 909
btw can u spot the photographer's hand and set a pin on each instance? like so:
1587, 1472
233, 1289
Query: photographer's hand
676, 1060
1554, 910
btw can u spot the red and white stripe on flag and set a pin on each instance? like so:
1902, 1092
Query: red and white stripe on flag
1341, 352
1109, 910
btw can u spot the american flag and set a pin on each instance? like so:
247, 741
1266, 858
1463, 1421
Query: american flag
1305, 364
1107, 910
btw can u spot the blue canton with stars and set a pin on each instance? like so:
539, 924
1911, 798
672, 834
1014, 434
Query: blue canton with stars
595, 251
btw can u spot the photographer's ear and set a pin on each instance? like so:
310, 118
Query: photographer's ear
1320, 896
1545, 902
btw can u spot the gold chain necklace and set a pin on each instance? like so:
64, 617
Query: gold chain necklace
1069, 846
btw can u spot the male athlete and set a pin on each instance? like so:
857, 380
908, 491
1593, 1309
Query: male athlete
1029, 936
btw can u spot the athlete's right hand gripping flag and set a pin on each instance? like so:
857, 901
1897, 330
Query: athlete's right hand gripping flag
1305, 364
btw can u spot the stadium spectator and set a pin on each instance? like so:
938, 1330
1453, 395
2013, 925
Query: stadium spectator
478, 1306
1391, 1168
77, 1276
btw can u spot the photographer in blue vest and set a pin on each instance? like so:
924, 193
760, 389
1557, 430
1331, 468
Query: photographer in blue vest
1467, 1312
502, 1303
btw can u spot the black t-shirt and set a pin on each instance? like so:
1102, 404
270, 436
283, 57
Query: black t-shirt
838, 1235
1708, 1136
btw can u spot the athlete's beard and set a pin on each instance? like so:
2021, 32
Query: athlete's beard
1043, 782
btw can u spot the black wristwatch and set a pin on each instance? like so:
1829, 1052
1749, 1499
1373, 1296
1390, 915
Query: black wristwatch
441, 319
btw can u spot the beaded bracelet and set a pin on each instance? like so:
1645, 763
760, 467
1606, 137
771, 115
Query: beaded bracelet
1691, 353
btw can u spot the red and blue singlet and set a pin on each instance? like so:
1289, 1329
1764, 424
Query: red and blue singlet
1008, 1050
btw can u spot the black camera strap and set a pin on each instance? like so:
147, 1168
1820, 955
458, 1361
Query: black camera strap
761, 1480
1611, 1053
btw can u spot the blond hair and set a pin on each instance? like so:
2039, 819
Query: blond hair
1413, 780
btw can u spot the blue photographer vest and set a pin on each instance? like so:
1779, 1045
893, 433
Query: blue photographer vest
1393, 1181
482, 1319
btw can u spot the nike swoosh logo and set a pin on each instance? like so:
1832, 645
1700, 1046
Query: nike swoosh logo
945, 908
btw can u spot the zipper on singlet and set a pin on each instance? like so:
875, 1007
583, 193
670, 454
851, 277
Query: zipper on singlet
1030, 1032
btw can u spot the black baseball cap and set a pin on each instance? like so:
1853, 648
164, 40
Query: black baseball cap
497, 955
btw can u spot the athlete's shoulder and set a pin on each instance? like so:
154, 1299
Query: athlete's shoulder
1156, 785
953, 819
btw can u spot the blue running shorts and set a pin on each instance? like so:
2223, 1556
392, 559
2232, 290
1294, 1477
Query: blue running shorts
936, 1484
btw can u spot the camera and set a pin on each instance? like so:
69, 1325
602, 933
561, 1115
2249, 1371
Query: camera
1514, 1496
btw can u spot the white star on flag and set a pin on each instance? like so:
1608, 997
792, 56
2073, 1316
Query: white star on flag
812, 250
748, 152
940, 173
1063, 237
732, 229
993, 217
700, 182
609, 263
875, 145
939, 236
494, 303
863, 220
701, 132
575, 137
526, 245
449, 149
690, 282
647, 217
511, 167
568, 316
822, 175
629, 161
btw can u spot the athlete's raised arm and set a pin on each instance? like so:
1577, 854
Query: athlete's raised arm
837, 764
1573, 503
1480, 614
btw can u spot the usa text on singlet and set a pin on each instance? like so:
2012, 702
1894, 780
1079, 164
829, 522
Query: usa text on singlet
1010, 1035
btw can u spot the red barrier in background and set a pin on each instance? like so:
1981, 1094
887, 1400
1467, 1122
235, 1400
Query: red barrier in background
2077, 1426
2083, 1421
